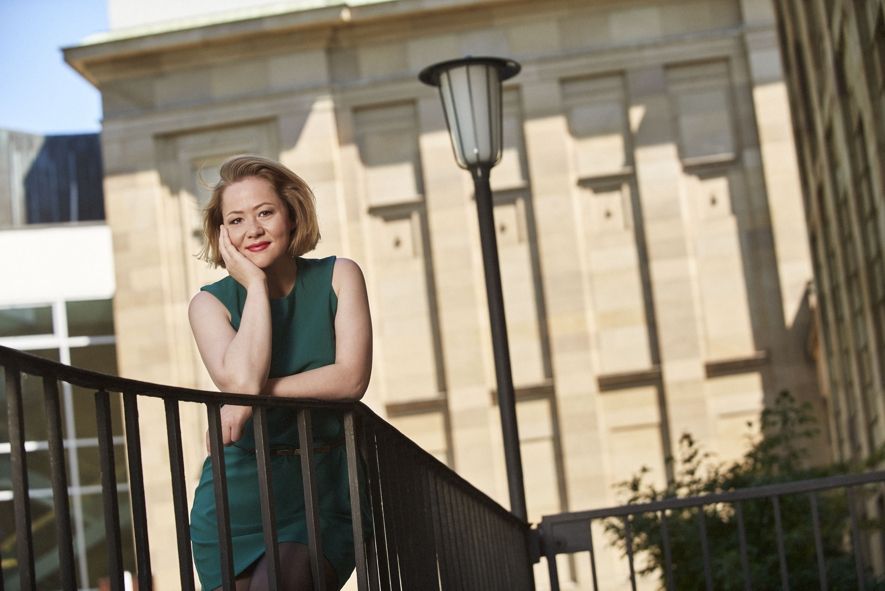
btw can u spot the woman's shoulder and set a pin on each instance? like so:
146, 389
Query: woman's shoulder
330, 271
224, 289
312, 265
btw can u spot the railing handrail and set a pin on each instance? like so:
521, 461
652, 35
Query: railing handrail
744, 494
39, 366
84, 378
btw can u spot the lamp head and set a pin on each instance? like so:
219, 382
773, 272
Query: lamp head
470, 89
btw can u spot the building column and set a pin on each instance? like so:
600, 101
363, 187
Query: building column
661, 188
460, 293
569, 319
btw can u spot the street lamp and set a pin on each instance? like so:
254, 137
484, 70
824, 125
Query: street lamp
470, 90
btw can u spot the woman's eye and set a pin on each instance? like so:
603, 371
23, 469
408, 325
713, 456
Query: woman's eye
265, 212
234, 221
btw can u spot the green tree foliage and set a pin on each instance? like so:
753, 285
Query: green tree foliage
779, 456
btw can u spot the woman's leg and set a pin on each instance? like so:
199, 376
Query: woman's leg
242, 582
295, 572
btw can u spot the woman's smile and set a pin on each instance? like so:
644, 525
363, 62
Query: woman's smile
258, 247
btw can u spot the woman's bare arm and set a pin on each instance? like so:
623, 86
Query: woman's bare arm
237, 361
348, 377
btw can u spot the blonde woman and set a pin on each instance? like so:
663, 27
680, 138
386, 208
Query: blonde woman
277, 325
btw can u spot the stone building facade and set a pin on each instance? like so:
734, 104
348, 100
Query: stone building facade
835, 68
834, 56
648, 211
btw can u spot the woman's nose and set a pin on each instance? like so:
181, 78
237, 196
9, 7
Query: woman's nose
254, 228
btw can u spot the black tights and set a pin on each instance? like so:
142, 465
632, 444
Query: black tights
295, 572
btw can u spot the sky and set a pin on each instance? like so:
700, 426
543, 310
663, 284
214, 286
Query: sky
39, 92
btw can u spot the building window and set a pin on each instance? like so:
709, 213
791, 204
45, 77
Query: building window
79, 333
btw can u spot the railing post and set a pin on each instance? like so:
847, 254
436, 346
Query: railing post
109, 489
376, 500
219, 483
64, 537
356, 506
24, 546
742, 545
179, 495
818, 543
136, 491
779, 535
668, 558
315, 544
855, 539
265, 491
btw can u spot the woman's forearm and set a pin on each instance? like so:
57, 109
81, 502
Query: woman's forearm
247, 358
330, 382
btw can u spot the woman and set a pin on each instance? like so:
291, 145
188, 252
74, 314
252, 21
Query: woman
277, 325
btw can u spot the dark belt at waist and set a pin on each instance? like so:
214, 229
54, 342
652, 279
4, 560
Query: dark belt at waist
292, 450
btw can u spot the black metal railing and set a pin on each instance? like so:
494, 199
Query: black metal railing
571, 533
428, 528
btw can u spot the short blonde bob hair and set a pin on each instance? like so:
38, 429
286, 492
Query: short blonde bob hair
290, 188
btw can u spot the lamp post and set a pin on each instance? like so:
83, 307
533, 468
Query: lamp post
470, 90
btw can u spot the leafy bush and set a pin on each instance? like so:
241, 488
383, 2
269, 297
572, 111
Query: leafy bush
779, 456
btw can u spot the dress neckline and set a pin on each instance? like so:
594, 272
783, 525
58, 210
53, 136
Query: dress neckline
299, 269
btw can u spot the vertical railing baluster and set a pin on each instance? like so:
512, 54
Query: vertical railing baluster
550, 555
398, 508
818, 543
356, 504
512, 566
628, 535
63, 533
592, 555
705, 547
516, 569
109, 489
742, 545
461, 555
447, 580
136, 490
476, 564
266, 497
481, 548
391, 509
410, 563
376, 500
779, 536
855, 539
428, 522
668, 557
24, 544
311, 505
219, 485
459, 563
494, 545
179, 494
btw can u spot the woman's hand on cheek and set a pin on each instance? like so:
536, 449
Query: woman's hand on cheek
244, 271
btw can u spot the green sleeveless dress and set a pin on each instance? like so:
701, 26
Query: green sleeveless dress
303, 339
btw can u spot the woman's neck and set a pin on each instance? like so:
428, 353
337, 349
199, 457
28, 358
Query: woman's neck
281, 277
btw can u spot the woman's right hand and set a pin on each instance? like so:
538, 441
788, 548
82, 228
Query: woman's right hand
244, 271
233, 424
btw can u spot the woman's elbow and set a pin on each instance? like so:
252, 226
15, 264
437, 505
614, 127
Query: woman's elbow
239, 386
356, 387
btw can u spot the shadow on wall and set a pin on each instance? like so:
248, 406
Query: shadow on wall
64, 181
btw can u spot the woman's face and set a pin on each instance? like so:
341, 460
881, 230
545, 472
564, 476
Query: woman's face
257, 220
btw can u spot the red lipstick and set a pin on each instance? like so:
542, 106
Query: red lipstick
258, 247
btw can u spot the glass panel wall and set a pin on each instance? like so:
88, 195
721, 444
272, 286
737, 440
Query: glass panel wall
79, 333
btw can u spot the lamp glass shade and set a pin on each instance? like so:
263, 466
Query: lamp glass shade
471, 97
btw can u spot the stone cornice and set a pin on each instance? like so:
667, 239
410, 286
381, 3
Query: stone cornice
147, 42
